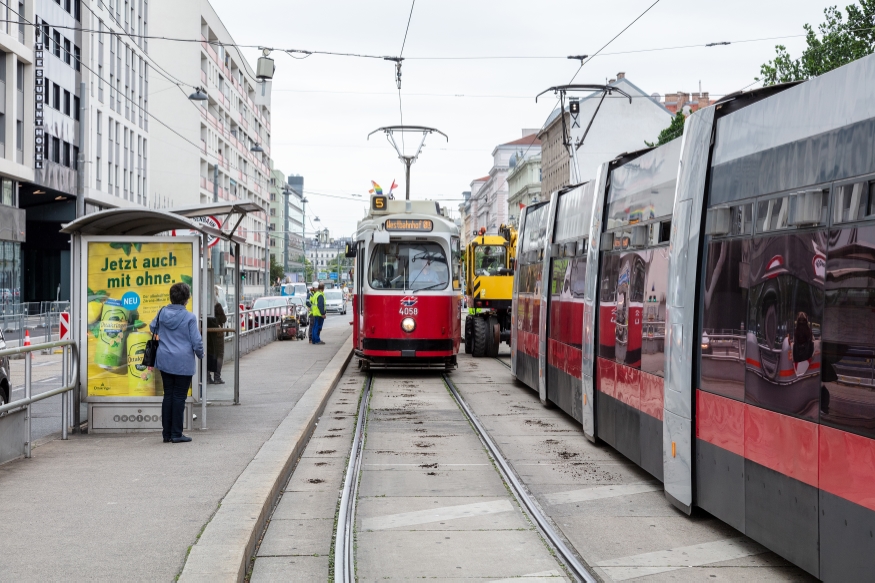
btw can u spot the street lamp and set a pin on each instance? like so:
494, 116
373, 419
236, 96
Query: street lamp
199, 95
286, 192
257, 148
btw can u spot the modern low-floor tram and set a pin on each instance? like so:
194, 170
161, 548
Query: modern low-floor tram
707, 308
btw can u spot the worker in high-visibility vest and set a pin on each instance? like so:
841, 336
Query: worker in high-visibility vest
317, 313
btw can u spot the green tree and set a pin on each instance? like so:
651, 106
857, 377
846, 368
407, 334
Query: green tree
276, 270
842, 40
309, 273
674, 130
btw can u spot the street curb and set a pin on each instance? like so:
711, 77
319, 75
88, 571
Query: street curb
223, 551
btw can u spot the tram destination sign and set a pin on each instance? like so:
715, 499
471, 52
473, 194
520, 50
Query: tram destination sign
421, 225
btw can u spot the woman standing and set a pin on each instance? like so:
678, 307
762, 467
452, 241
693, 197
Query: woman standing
179, 341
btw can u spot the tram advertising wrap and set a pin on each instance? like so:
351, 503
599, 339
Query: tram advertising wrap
128, 283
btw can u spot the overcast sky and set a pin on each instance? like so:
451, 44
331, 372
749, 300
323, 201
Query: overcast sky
324, 106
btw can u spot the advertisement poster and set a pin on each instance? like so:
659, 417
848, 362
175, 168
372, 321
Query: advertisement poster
128, 283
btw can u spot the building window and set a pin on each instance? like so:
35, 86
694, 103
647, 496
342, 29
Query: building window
77, 57
66, 155
56, 48
76, 107
7, 193
56, 96
67, 54
19, 135
98, 168
66, 102
55, 154
19, 75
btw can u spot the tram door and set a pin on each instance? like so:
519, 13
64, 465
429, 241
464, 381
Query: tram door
565, 333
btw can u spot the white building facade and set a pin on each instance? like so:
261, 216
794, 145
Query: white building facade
620, 126
489, 195
206, 146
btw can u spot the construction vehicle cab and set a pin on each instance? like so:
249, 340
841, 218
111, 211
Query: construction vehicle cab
489, 264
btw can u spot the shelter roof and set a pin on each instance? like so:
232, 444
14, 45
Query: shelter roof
138, 222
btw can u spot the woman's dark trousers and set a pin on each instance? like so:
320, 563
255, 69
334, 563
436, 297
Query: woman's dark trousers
173, 407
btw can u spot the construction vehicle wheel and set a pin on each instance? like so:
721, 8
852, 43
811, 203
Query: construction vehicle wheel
493, 336
469, 334
480, 333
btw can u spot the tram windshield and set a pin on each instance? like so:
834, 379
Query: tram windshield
489, 259
409, 266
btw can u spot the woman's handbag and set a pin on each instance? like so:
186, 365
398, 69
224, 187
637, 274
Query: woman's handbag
150, 352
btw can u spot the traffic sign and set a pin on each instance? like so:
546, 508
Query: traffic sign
323, 275
64, 326
332, 275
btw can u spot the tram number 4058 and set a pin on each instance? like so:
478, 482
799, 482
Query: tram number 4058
408, 311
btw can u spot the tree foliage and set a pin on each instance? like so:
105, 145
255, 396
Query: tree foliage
277, 273
674, 130
841, 39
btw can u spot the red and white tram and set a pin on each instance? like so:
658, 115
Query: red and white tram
406, 308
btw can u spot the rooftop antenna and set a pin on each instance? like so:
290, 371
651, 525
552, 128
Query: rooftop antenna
571, 144
407, 160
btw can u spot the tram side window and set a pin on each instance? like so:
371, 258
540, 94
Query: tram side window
578, 277
853, 202
409, 266
724, 319
848, 343
785, 315
608, 305
653, 326
456, 256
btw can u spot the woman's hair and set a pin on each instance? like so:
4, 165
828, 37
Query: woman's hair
802, 318
179, 293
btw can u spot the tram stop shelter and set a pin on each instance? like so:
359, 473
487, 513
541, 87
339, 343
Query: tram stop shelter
123, 262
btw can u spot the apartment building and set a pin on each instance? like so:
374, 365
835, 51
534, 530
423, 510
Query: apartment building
218, 149
618, 127
17, 98
488, 204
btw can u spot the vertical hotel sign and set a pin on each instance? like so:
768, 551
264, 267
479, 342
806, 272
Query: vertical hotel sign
39, 138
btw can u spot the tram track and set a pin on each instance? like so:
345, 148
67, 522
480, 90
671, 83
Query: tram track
344, 544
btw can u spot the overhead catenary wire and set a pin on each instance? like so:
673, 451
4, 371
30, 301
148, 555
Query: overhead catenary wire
307, 53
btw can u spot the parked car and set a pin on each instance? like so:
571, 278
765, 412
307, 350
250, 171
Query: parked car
268, 310
334, 301
5, 385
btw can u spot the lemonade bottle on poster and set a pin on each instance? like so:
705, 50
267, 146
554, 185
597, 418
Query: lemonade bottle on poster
110, 352
141, 379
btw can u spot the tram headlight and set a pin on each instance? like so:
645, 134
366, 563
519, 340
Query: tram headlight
408, 324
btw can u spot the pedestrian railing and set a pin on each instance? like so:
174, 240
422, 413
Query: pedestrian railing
69, 375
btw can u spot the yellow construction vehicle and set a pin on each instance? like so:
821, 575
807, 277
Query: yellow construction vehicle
489, 264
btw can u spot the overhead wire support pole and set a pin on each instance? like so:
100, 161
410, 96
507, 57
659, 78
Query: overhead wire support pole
406, 159
572, 145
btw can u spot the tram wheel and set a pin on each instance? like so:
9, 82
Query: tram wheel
469, 334
493, 336
480, 333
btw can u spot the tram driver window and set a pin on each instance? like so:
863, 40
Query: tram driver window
409, 266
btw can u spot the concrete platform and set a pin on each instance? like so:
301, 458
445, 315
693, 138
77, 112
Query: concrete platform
129, 507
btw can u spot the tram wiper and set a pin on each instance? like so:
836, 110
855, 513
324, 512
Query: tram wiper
444, 283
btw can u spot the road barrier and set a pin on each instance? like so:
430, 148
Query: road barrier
15, 416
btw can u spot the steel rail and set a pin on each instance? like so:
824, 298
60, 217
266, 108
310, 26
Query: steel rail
344, 554
574, 565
